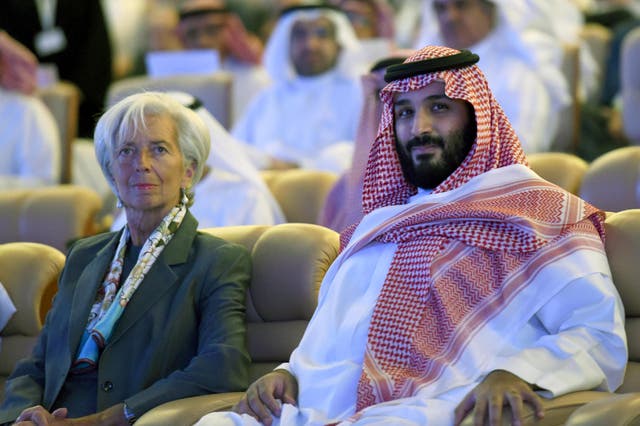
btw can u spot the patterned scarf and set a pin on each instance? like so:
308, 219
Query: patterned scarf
104, 313
457, 263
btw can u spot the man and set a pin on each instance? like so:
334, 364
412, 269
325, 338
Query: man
372, 21
71, 35
309, 116
470, 282
524, 74
208, 24
29, 135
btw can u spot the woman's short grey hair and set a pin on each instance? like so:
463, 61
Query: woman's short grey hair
127, 117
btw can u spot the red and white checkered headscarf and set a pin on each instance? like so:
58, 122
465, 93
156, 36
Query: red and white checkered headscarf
496, 142
458, 263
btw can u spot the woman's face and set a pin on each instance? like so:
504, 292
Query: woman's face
148, 168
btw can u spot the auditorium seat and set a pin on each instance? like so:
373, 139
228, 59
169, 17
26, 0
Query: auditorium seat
564, 169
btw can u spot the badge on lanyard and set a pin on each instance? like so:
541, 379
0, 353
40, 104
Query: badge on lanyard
50, 41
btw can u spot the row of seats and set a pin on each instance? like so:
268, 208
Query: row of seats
289, 262
611, 182
58, 215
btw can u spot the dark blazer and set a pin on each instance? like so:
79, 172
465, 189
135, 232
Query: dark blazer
182, 333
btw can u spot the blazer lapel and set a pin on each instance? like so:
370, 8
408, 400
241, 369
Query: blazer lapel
87, 288
159, 279
84, 296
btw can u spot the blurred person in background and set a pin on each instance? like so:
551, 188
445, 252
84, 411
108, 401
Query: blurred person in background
524, 77
309, 115
29, 135
373, 23
72, 36
210, 24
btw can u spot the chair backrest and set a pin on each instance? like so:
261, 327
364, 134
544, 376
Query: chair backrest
568, 133
29, 272
213, 90
63, 100
623, 251
612, 181
289, 263
564, 169
630, 85
301, 193
598, 39
51, 215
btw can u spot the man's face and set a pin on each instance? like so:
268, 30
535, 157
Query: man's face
363, 17
314, 49
463, 23
204, 31
434, 134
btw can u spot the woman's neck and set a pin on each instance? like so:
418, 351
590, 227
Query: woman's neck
142, 223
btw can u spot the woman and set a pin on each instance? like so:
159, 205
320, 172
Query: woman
232, 192
176, 328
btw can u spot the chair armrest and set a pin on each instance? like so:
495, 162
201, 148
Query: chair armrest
187, 411
614, 410
556, 410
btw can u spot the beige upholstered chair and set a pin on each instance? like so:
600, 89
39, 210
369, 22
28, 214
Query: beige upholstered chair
29, 272
630, 85
213, 90
564, 169
289, 262
51, 215
623, 252
300, 192
612, 181
598, 38
568, 133
63, 100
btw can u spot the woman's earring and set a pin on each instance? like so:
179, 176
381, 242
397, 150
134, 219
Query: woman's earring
185, 198
119, 203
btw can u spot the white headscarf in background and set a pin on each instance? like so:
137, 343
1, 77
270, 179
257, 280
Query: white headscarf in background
276, 55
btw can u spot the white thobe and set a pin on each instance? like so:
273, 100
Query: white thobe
30, 142
573, 339
302, 120
248, 80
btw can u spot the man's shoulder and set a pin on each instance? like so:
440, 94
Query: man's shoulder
21, 104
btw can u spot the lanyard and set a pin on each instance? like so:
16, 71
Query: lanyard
47, 13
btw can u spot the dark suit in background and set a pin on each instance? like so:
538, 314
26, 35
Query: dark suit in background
86, 61
182, 333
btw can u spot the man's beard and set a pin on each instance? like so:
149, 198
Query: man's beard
427, 171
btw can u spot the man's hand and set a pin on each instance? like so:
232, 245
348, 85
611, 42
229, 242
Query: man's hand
240, 43
499, 388
261, 399
18, 66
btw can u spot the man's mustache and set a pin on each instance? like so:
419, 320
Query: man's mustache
425, 139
